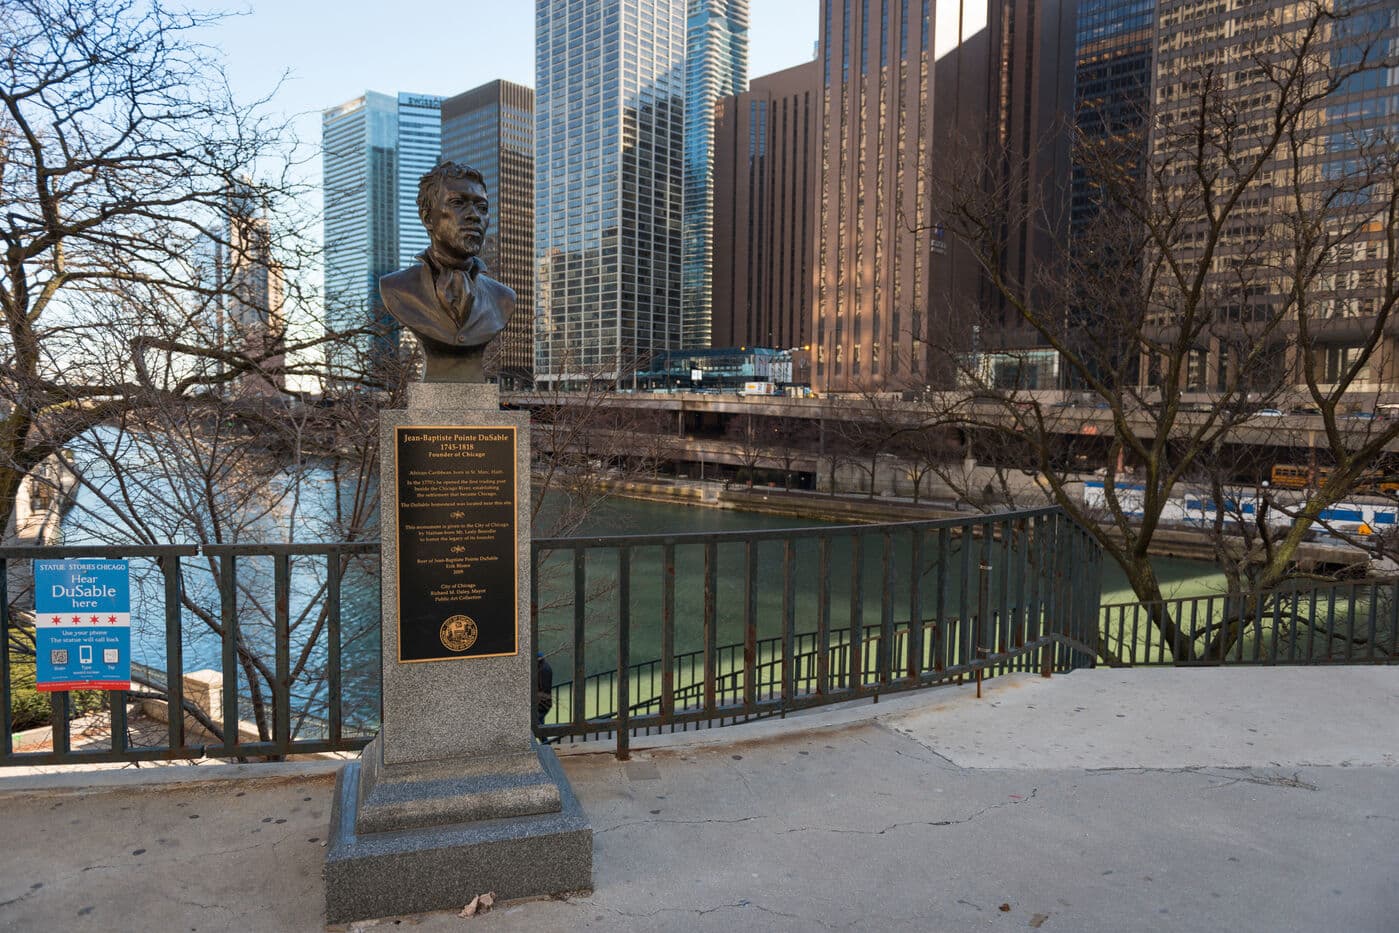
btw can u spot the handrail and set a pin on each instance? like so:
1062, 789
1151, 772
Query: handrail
1021, 578
1299, 622
994, 592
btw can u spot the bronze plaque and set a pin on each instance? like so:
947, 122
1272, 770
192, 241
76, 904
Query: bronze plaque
458, 584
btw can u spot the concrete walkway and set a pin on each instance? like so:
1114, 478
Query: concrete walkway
1151, 800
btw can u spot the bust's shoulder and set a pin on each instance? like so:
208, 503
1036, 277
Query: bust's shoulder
403, 279
499, 290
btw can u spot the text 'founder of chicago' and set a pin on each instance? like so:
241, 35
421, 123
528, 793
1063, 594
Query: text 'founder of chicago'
447, 300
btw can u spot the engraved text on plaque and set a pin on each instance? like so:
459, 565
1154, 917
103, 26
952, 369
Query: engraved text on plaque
457, 550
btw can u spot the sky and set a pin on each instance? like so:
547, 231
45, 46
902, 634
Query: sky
332, 51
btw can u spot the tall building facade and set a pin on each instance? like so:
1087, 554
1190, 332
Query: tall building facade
250, 286
716, 66
491, 128
874, 231
767, 145
609, 172
1114, 49
912, 91
375, 148
1311, 235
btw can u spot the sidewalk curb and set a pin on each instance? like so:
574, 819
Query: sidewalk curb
854, 712
183, 777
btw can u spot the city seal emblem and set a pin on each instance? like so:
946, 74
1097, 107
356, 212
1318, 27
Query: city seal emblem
458, 633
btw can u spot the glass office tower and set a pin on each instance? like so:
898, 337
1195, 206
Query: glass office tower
491, 128
716, 65
419, 149
375, 148
1112, 88
609, 122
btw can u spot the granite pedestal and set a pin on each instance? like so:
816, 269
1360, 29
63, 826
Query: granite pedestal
454, 797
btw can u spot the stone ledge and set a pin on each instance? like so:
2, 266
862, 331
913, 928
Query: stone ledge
179, 775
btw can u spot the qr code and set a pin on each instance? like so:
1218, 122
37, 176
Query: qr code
109, 655
58, 656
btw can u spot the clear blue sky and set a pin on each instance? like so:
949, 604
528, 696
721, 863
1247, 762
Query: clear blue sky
334, 51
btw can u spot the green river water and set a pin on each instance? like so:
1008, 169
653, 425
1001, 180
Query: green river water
630, 517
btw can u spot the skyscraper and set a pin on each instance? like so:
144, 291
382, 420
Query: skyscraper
716, 65
250, 286
609, 119
1112, 87
491, 128
874, 231
765, 177
912, 90
1299, 272
375, 149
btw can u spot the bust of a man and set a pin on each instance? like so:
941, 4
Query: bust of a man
447, 300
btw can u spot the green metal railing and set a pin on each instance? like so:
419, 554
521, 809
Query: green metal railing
993, 593
1352, 622
648, 632
281, 659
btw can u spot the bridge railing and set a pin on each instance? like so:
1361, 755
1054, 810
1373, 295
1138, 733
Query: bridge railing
1352, 622
645, 632
292, 672
761, 623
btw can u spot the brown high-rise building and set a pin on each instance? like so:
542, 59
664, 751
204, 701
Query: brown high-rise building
1299, 270
491, 128
913, 89
765, 173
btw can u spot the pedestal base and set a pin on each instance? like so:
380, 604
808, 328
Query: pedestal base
440, 867
454, 790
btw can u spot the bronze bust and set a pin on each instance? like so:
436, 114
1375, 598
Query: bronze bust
447, 300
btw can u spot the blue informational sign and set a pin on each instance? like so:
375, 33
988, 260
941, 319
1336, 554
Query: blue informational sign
83, 625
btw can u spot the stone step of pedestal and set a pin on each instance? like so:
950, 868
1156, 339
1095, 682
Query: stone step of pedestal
436, 793
440, 867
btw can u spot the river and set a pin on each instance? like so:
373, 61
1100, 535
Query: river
612, 516
93, 519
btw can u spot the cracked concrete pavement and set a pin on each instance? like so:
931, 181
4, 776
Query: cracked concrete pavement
1038, 808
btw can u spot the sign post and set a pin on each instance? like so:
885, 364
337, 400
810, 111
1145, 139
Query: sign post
82, 625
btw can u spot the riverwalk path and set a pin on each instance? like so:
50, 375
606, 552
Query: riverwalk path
1103, 800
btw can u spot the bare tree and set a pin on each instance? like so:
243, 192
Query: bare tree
924, 452
153, 256
1213, 284
130, 180
747, 443
654, 440
788, 440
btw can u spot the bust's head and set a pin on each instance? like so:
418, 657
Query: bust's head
453, 206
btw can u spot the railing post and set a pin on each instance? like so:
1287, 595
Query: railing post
941, 651
711, 638
228, 614
750, 626
983, 598
915, 606
884, 656
856, 666
789, 623
579, 703
823, 615
624, 654
333, 580
174, 654
281, 690
667, 632
7, 747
